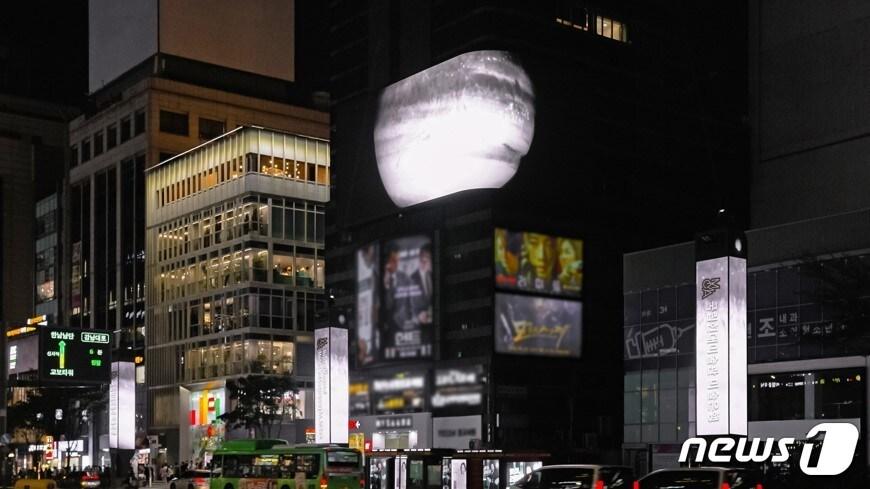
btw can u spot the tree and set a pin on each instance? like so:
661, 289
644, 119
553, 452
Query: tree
258, 404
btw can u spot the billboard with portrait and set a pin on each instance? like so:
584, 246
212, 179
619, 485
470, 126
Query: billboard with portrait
544, 326
406, 301
367, 303
538, 262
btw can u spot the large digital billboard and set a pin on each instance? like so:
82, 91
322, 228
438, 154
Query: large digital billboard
461, 124
538, 262
77, 356
408, 290
544, 326
395, 292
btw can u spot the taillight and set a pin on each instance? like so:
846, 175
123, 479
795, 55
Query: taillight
725, 485
759, 486
324, 482
362, 482
635, 485
599, 484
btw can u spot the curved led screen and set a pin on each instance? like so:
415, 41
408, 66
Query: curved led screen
459, 125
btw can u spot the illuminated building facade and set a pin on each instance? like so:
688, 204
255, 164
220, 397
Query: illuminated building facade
235, 271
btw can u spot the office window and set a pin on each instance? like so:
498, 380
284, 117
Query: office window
210, 129
611, 29
98, 143
126, 129
111, 136
86, 149
139, 122
174, 123
776, 397
73, 155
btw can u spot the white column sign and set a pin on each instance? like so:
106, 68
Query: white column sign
122, 406
331, 399
720, 346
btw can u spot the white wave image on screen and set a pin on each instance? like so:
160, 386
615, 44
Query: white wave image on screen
459, 125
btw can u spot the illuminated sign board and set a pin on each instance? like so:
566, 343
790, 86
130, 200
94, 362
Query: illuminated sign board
543, 326
462, 124
458, 387
22, 355
122, 406
402, 392
720, 346
74, 355
536, 262
331, 397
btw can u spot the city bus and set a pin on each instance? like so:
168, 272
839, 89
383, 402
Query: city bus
273, 464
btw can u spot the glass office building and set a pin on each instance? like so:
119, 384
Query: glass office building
235, 270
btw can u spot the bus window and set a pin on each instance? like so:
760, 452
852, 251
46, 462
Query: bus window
288, 466
266, 466
342, 461
238, 466
308, 463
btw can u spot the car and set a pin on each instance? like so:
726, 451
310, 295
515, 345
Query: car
578, 476
701, 478
193, 479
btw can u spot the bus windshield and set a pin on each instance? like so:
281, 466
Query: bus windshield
342, 460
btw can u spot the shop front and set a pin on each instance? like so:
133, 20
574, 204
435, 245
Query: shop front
207, 431
396, 431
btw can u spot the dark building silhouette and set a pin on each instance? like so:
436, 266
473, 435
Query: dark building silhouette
639, 136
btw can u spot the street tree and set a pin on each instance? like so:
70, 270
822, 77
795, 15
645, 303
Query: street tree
258, 404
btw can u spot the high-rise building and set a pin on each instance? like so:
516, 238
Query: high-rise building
482, 308
235, 274
808, 276
164, 77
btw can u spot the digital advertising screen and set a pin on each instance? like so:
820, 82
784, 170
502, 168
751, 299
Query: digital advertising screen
461, 124
458, 387
74, 355
491, 473
22, 354
519, 469
538, 262
406, 305
367, 303
458, 473
542, 326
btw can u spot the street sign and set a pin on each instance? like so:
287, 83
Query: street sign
77, 356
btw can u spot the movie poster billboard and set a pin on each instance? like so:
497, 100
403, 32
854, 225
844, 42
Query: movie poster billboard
542, 326
367, 304
407, 298
538, 262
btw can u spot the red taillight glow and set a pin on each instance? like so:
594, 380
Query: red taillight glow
324, 482
759, 486
725, 485
362, 482
635, 485
599, 484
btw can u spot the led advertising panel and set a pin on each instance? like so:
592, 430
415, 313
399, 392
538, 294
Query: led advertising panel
720, 347
458, 473
542, 326
462, 124
22, 355
78, 356
408, 290
367, 304
538, 262
122, 406
518, 470
331, 397
402, 393
458, 387
491, 473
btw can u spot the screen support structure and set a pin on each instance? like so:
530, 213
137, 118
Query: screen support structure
720, 341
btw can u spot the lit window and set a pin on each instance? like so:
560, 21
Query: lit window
611, 29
